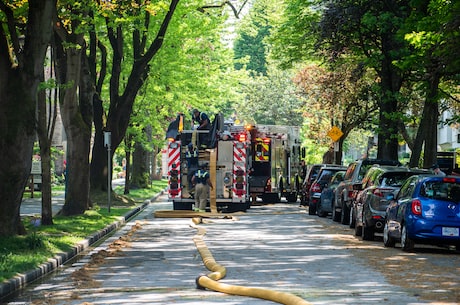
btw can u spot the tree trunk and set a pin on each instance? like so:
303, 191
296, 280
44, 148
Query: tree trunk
76, 110
427, 132
47, 211
17, 134
431, 134
140, 174
387, 148
18, 100
390, 85
416, 151
98, 166
45, 154
127, 170
155, 174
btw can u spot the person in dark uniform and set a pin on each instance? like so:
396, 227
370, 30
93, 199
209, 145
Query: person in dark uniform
204, 124
191, 155
202, 183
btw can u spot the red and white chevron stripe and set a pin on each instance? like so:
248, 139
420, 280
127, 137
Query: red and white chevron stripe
239, 170
174, 164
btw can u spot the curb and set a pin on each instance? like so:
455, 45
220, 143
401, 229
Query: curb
21, 280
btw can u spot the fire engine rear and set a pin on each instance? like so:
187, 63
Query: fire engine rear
226, 160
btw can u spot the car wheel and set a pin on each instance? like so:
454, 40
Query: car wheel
388, 241
406, 243
368, 232
320, 211
312, 208
345, 215
335, 215
352, 221
302, 200
358, 230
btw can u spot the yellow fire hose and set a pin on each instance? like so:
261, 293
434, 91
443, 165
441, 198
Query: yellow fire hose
218, 272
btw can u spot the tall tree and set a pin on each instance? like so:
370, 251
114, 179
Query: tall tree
47, 109
21, 68
123, 89
188, 81
342, 97
265, 94
433, 33
250, 46
370, 30
75, 98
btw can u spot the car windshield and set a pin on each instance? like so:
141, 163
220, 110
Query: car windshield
441, 190
394, 179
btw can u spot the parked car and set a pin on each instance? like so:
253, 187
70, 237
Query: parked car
370, 204
327, 195
344, 192
311, 176
324, 177
426, 210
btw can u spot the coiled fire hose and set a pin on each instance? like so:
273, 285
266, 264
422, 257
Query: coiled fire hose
210, 281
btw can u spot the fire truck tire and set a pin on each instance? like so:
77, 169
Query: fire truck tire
182, 205
270, 198
291, 197
236, 207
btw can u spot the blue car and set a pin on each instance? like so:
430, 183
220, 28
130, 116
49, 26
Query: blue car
426, 210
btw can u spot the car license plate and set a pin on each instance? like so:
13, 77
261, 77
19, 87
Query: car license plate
448, 231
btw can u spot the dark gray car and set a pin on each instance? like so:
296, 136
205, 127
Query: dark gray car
371, 202
327, 195
324, 178
344, 193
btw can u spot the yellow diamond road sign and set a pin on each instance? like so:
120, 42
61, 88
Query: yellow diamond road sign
335, 133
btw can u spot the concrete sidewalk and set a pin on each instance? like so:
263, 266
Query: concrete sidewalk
33, 206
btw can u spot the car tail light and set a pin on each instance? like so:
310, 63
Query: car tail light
315, 188
351, 194
242, 137
380, 192
449, 180
416, 207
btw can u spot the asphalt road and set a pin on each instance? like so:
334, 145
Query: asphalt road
279, 247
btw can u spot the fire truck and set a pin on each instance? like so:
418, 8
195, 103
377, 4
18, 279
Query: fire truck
226, 157
275, 163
